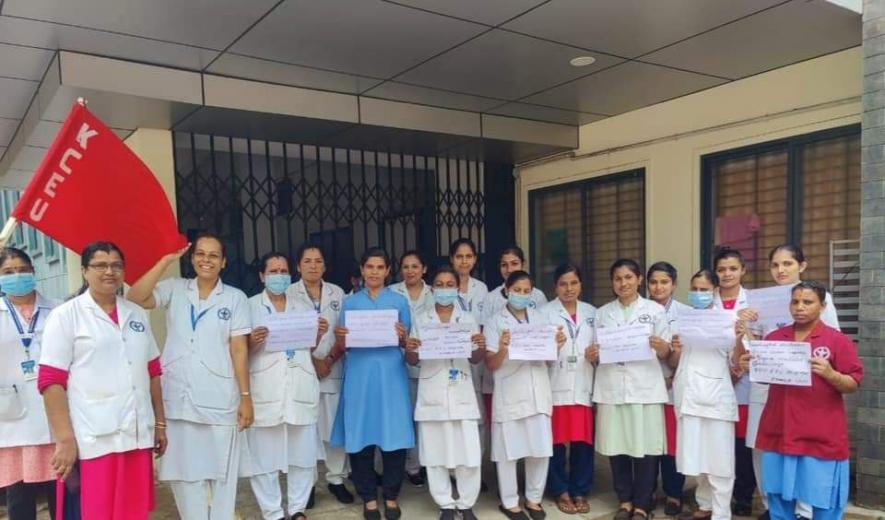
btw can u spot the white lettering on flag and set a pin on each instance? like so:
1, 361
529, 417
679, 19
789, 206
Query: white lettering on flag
84, 134
40, 206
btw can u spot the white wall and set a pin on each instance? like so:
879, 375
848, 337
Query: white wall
669, 139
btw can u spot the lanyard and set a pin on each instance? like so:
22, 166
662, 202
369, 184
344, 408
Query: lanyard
24, 337
318, 303
572, 330
465, 306
195, 318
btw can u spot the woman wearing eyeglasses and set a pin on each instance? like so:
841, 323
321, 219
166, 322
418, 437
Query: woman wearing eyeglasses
25, 444
100, 379
205, 376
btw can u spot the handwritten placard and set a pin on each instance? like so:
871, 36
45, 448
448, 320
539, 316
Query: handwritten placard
532, 342
625, 343
781, 362
445, 341
291, 330
706, 328
773, 306
368, 329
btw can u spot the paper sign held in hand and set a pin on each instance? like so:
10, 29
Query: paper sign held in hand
532, 342
446, 341
625, 343
706, 329
773, 306
291, 330
367, 329
781, 362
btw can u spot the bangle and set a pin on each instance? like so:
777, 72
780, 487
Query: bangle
245, 394
159, 426
159, 423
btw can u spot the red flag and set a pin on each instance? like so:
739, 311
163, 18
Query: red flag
90, 186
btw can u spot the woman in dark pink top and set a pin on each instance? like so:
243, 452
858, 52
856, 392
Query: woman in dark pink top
803, 432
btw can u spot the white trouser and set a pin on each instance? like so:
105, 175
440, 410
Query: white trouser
535, 479
468, 479
337, 465
757, 471
714, 494
266, 488
413, 465
205, 499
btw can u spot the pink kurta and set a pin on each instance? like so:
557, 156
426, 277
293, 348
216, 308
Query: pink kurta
117, 486
26, 464
572, 423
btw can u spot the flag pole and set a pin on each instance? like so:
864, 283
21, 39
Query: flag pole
8, 230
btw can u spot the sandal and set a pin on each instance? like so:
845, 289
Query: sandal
512, 515
565, 504
581, 505
535, 514
623, 514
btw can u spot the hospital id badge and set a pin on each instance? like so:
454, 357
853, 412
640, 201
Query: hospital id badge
29, 369
454, 376
572, 363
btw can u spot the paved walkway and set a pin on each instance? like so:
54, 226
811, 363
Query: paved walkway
417, 504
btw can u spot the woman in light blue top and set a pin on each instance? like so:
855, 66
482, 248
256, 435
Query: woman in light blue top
375, 409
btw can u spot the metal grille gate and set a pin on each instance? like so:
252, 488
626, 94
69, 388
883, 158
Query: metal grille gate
261, 196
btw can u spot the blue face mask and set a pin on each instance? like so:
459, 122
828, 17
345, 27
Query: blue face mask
277, 283
445, 296
518, 301
700, 299
17, 284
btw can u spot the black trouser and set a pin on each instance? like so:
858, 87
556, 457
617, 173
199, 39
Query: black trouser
671, 480
635, 479
21, 499
362, 466
744, 479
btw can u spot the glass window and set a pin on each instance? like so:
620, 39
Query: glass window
590, 223
804, 190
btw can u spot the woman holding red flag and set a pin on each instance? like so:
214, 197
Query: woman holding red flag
205, 377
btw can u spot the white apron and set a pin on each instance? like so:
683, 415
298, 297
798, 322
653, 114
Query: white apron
22, 415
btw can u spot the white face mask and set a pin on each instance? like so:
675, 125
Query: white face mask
445, 296
700, 299
277, 283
